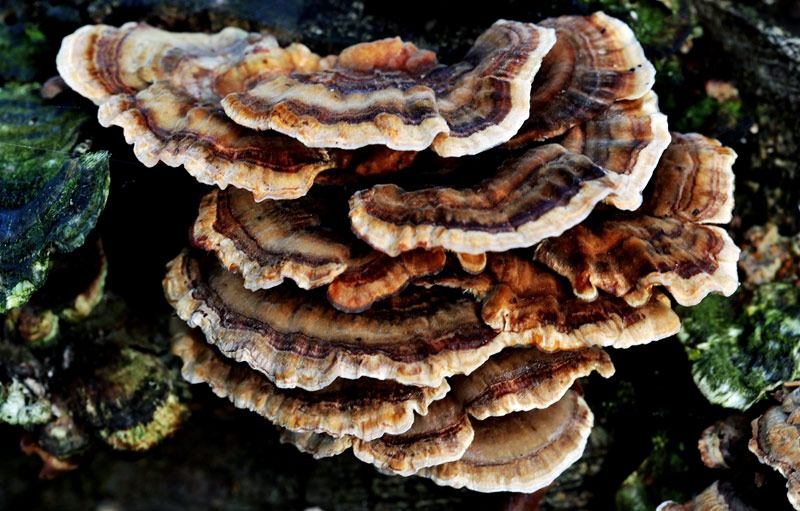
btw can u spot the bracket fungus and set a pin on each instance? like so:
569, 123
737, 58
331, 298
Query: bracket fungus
409, 103
596, 61
51, 198
521, 272
514, 208
164, 90
776, 442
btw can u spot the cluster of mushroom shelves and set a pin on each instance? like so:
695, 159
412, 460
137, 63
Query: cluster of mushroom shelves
416, 261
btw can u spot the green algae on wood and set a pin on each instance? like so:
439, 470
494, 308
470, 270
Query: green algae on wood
743, 346
50, 197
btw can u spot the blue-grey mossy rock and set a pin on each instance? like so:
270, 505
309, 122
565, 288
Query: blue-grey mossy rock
743, 346
50, 197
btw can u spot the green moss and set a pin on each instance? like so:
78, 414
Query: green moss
51, 198
743, 346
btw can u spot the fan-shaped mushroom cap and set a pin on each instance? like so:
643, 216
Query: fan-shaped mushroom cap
166, 124
693, 181
297, 339
163, 89
522, 451
99, 61
448, 447
628, 255
628, 139
467, 107
776, 442
443, 435
723, 444
302, 240
525, 378
49, 200
130, 401
363, 408
539, 305
540, 194
596, 61
268, 241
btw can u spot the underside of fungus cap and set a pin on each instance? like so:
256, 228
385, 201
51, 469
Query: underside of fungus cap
693, 181
297, 338
537, 195
628, 139
596, 61
523, 451
365, 408
472, 105
626, 255
521, 379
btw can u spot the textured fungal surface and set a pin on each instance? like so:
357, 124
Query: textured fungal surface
164, 90
405, 102
430, 311
299, 339
694, 181
536, 303
628, 138
51, 198
378, 276
521, 451
269, 241
776, 442
627, 255
443, 435
525, 378
540, 194
596, 61
363, 408
538, 306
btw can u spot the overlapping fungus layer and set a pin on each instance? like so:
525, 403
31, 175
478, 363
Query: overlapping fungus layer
436, 330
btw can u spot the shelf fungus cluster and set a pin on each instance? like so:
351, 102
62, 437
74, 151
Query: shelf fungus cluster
429, 313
